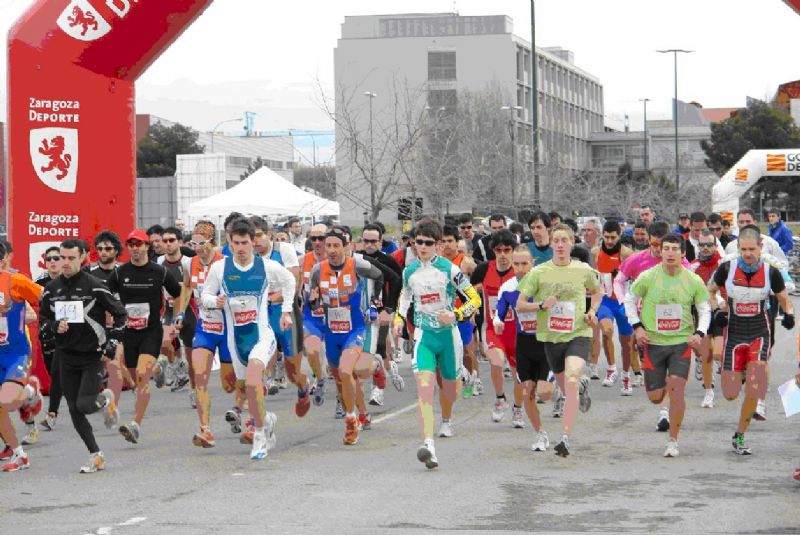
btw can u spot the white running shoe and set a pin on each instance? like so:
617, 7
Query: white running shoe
193, 399
698, 369
397, 380
672, 449
627, 387
260, 449
761, 411
708, 400
499, 410
542, 442
110, 412
585, 402
516, 418
96, 462
593, 374
161, 376
446, 429
427, 454
270, 426
662, 424
376, 398
611, 377
478, 386
638, 380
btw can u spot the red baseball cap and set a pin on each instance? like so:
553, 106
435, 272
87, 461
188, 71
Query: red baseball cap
138, 234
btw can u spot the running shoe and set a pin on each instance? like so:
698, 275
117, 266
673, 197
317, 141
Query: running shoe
558, 405
351, 430
49, 422
397, 380
408, 346
708, 400
193, 399
662, 424
339, 413
672, 449
468, 391
247, 436
478, 386
638, 379
516, 418
611, 377
272, 387
303, 403
204, 438
379, 375
426, 454
160, 377
397, 355
376, 397
110, 412
593, 373
16, 462
33, 405
271, 428
32, 437
170, 374
562, 448
365, 421
627, 388
96, 462
499, 410
260, 449
507, 371
234, 418
761, 411
7, 453
585, 402
739, 447
282, 383
542, 442
446, 429
180, 383
318, 393
698, 369
130, 432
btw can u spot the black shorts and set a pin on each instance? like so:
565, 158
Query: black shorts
659, 361
531, 359
557, 353
144, 342
186, 334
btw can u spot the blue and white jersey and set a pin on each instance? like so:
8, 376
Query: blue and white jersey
507, 299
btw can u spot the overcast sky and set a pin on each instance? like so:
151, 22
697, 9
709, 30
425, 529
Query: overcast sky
268, 57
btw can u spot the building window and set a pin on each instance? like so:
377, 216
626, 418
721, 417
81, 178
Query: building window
442, 98
239, 161
441, 65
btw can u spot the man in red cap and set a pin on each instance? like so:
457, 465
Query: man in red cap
140, 284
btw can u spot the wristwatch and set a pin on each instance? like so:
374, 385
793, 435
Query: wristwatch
700, 333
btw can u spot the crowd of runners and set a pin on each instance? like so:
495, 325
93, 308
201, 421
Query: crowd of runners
537, 299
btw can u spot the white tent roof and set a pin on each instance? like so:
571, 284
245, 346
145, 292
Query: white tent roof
263, 193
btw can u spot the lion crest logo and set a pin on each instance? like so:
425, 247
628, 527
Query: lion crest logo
54, 155
81, 21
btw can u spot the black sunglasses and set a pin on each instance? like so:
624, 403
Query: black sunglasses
427, 243
53, 258
316, 238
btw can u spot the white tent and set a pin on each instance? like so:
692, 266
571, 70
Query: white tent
263, 193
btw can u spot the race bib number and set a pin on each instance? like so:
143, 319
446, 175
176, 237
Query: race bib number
607, 284
492, 300
211, 321
69, 311
339, 320
138, 314
430, 299
668, 318
527, 321
318, 312
244, 309
561, 317
3, 331
746, 309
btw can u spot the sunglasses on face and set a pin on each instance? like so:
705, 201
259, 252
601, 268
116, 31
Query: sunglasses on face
316, 238
135, 243
502, 250
108, 248
369, 241
53, 258
715, 229
426, 243
465, 227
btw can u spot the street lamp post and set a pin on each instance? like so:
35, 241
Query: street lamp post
370, 95
214, 130
646, 163
512, 127
534, 107
675, 52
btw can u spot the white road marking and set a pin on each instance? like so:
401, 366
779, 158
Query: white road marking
236, 474
133, 521
395, 413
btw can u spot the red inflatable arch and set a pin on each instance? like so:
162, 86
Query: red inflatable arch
72, 65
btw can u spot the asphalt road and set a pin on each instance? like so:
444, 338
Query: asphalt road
616, 479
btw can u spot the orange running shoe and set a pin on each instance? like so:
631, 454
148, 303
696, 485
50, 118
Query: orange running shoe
351, 428
204, 438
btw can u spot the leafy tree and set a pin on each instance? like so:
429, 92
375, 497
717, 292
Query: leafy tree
254, 166
756, 127
321, 178
156, 153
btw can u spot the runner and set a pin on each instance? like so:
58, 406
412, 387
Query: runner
748, 281
209, 337
239, 286
465, 229
16, 390
431, 283
295, 230
487, 278
666, 329
52, 258
698, 224
140, 285
177, 343
74, 308
532, 367
641, 236
564, 325
710, 351
541, 252
607, 258
156, 243
313, 319
338, 293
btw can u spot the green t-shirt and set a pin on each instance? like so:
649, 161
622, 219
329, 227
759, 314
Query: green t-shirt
564, 321
667, 303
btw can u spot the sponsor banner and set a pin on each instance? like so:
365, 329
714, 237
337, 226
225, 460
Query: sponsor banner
36, 257
776, 162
